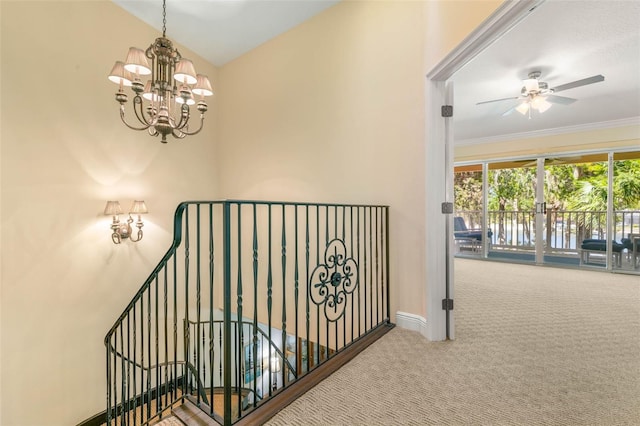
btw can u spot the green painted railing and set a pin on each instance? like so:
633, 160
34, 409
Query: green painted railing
250, 297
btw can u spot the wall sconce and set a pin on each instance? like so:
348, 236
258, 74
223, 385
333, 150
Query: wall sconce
123, 230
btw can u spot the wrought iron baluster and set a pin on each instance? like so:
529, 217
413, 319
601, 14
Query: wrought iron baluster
202, 374
269, 286
344, 238
316, 356
255, 291
307, 316
175, 326
166, 341
370, 283
148, 396
157, 350
128, 363
386, 259
377, 298
239, 337
366, 264
198, 305
187, 337
142, 361
358, 260
351, 242
296, 295
211, 305
123, 410
109, 378
135, 349
237, 344
284, 293
326, 337
227, 313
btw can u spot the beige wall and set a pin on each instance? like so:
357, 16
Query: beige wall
334, 110
64, 153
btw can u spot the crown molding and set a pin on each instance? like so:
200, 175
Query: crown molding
633, 121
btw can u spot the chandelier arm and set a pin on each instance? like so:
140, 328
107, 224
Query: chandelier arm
178, 134
129, 125
195, 132
153, 119
184, 117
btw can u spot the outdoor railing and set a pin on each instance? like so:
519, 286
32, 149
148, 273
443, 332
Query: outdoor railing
564, 229
250, 297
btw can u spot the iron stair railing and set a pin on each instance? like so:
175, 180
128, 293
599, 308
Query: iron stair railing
261, 292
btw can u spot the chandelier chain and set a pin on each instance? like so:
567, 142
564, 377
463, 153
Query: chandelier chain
164, 18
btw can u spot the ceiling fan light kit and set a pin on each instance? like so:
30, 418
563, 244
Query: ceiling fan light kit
537, 95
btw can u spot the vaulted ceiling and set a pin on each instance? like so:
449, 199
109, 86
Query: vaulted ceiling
564, 40
222, 30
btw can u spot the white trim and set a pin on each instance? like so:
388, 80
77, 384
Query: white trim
411, 322
502, 20
623, 122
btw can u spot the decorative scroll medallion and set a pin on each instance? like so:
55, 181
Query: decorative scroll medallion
331, 282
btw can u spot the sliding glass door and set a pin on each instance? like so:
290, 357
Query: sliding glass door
573, 210
469, 218
626, 209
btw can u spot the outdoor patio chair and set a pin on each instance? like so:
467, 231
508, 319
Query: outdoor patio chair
593, 245
460, 230
633, 253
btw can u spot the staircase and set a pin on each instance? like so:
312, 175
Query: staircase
253, 303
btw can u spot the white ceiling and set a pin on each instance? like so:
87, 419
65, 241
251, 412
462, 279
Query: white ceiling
222, 30
566, 40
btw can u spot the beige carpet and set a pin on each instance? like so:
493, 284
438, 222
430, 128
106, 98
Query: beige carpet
535, 346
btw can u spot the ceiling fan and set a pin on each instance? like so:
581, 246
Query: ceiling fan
537, 95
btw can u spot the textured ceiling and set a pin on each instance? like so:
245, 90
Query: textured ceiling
566, 41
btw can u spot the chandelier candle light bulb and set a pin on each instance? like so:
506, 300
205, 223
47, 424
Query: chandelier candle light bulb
168, 93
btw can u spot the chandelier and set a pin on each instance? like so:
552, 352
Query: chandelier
162, 103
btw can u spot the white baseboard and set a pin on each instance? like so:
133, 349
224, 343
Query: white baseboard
411, 322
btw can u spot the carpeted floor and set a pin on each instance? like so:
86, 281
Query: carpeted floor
534, 346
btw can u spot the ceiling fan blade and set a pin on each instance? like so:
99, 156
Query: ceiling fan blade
589, 80
560, 100
499, 100
508, 112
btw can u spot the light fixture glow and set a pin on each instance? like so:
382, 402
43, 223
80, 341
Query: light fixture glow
122, 230
119, 75
540, 104
523, 108
168, 94
531, 85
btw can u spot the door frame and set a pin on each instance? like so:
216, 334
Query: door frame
438, 262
